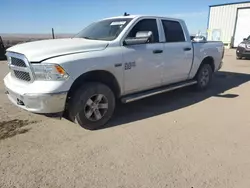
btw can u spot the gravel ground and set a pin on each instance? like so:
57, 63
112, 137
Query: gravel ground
181, 139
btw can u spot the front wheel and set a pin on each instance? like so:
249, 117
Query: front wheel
204, 77
92, 106
238, 57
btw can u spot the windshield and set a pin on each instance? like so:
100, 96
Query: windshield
248, 38
104, 30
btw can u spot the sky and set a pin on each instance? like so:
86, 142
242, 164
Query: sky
71, 16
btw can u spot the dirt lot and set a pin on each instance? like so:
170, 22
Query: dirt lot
182, 139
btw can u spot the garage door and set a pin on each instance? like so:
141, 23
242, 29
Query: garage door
242, 26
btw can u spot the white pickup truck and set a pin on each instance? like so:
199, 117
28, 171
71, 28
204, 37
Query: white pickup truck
123, 58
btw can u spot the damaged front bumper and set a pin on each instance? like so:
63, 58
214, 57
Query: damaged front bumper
50, 103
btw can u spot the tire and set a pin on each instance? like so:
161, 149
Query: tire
204, 77
238, 57
92, 105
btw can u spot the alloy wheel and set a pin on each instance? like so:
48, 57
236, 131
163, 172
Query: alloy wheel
96, 107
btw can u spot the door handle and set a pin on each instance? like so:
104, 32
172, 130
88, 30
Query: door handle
187, 49
157, 51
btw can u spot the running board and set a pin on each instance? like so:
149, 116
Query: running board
148, 93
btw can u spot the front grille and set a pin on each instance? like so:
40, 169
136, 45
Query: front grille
19, 67
22, 75
17, 62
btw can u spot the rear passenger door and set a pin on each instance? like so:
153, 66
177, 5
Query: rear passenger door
178, 52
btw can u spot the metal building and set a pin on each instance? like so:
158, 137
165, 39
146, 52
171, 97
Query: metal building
229, 23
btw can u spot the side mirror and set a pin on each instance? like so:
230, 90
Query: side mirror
200, 39
244, 39
141, 37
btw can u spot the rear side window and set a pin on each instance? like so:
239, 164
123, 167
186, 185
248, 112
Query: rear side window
146, 25
173, 31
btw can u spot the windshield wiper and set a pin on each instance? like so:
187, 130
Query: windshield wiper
90, 38
86, 37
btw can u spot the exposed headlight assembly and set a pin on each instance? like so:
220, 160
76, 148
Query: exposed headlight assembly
49, 72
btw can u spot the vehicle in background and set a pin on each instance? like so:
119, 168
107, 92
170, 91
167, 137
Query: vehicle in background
124, 58
243, 49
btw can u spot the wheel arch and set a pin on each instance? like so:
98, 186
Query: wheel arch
207, 60
210, 61
101, 76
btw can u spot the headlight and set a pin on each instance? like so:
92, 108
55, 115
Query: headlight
242, 45
49, 72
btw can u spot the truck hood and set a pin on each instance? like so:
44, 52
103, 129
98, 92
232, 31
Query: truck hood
44, 49
246, 42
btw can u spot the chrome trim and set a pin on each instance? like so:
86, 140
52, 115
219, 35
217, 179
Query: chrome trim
27, 69
45, 94
14, 67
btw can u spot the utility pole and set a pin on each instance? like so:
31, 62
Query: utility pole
53, 35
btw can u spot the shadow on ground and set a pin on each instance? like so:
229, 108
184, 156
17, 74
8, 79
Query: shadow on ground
13, 127
175, 100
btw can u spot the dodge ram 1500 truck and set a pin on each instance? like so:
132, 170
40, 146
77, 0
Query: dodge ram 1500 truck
124, 58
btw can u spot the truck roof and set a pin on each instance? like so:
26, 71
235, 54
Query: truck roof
141, 16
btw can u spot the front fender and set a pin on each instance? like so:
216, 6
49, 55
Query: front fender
77, 64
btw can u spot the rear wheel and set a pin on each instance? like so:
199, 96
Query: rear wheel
92, 106
204, 77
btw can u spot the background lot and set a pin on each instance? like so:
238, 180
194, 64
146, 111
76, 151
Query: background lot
181, 139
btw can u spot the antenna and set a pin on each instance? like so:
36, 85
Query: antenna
126, 14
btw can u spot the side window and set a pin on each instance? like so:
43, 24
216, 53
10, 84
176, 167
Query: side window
173, 31
146, 25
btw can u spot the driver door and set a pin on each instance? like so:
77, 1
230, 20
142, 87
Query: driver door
143, 63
